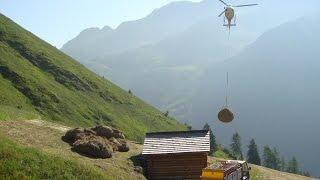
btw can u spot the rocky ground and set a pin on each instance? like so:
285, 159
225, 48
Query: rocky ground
97, 142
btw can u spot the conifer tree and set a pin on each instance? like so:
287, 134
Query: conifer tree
236, 146
306, 173
283, 164
267, 157
293, 166
189, 127
213, 143
253, 153
166, 113
271, 158
276, 159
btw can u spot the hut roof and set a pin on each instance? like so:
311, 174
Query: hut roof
177, 142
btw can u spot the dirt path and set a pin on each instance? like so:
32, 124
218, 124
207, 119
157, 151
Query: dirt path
47, 137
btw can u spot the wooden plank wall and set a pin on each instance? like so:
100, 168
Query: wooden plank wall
176, 166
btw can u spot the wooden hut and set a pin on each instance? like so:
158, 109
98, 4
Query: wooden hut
176, 155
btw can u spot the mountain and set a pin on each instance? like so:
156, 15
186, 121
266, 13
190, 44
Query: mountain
38, 80
164, 22
177, 17
165, 53
162, 73
273, 92
161, 64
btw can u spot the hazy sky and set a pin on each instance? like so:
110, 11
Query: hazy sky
58, 21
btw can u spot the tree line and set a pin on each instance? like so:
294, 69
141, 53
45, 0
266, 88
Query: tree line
270, 156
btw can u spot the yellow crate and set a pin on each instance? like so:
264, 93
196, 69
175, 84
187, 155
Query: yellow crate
210, 174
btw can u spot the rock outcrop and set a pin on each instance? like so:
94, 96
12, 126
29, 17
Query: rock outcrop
97, 142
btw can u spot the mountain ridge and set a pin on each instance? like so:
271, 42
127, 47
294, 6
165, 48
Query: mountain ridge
156, 26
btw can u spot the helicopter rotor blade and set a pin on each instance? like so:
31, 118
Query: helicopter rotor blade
224, 2
222, 13
244, 5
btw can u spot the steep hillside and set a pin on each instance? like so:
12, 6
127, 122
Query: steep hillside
274, 92
39, 79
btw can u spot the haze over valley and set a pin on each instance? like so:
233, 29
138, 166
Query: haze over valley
177, 57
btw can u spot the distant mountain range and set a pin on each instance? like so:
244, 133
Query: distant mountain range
161, 23
180, 60
163, 53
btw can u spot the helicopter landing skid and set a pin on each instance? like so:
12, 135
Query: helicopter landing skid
229, 25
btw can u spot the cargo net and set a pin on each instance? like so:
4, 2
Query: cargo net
225, 167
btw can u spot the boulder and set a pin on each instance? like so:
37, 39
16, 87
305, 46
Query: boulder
93, 146
124, 147
138, 169
114, 143
89, 132
98, 142
103, 131
118, 134
74, 134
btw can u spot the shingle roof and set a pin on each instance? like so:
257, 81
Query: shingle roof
176, 142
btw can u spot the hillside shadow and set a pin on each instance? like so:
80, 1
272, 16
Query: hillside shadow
140, 161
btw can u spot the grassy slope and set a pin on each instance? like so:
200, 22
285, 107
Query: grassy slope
38, 79
257, 172
46, 136
13, 105
262, 173
17, 162
220, 154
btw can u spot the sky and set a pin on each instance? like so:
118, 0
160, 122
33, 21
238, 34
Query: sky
58, 21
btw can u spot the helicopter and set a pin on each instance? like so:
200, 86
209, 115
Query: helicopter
229, 13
